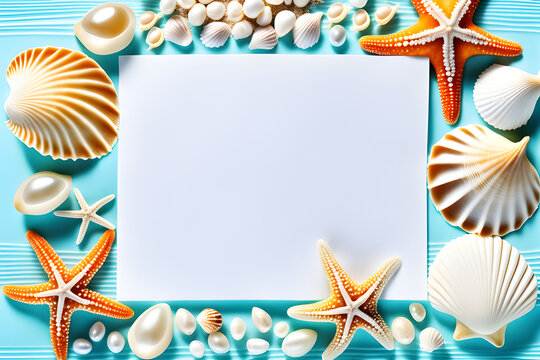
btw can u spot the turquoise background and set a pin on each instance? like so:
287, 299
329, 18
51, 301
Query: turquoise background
24, 329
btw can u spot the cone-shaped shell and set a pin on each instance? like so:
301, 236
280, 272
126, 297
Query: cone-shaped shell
215, 34
307, 29
62, 104
210, 320
482, 182
484, 283
264, 38
430, 339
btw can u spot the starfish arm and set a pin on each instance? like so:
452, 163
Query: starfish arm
91, 263
101, 203
339, 343
60, 334
48, 258
102, 305
376, 327
82, 230
73, 214
337, 278
80, 199
27, 293
381, 277
101, 221
496, 46
315, 312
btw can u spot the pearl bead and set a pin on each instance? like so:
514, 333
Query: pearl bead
97, 332
82, 346
42, 192
418, 312
218, 343
281, 329
337, 35
115, 342
403, 330
197, 349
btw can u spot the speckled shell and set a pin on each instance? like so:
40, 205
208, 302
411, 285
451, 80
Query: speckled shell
62, 104
482, 182
210, 320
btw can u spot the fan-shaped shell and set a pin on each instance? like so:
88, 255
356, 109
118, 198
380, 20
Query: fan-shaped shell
307, 29
505, 96
62, 104
482, 182
177, 30
210, 320
264, 38
430, 339
215, 34
242, 30
484, 283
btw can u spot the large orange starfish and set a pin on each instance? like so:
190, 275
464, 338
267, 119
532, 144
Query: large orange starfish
351, 306
446, 34
66, 290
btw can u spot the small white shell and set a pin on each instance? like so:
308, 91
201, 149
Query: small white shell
403, 330
301, 3
337, 12
155, 38
261, 319
264, 38
253, 8
238, 328
307, 29
274, 2
210, 320
185, 321
281, 329
97, 331
235, 11
196, 348
152, 332
115, 342
242, 30
148, 19
284, 22
360, 20
385, 13
215, 10
430, 339
218, 343
167, 6
205, 2
257, 346
82, 346
418, 312
337, 35
42, 192
177, 30
215, 34
185, 4
299, 342
197, 15
265, 18
358, 3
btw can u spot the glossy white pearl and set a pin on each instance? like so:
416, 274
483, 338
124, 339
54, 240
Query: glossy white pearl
238, 328
337, 35
185, 321
42, 192
257, 346
281, 329
299, 342
97, 332
196, 348
218, 343
152, 332
403, 330
82, 346
115, 342
418, 312
261, 319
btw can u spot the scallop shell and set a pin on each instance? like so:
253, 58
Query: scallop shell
264, 38
42, 192
215, 34
152, 332
242, 30
360, 20
284, 22
107, 28
177, 30
482, 182
505, 96
484, 283
385, 13
155, 38
148, 19
307, 29
430, 339
235, 12
51, 109
210, 320
337, 12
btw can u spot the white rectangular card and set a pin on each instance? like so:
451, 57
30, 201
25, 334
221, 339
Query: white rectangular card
231, 167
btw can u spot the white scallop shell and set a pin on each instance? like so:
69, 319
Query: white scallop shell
148, 19
197, 15
242, 30
430, 339
307, 29
484, 283
264, 38
337, 12
215, 34
235, 11
284, 22
506, 96
152, 332
360, 20
482, 182
210, 320
385, 13
155, 38
50, 108
177, 30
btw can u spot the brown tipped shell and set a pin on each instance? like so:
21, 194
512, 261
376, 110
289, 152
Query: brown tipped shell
210, 320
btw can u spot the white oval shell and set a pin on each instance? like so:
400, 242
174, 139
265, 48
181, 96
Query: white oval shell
265, 18
261, 319
403, 330
385, 13
418, 312
235, 11
185, 4
264, 38
196, 348
215, 34
148, 19
99, 32
218, 343
274, 2
484, 283
238, 328
430, 339
301, 3
210, 320
82, 346
97, 331
197, 15
281, 329
252, 8
215, 10
152, 332
337, 12
284, 22
50, 86
360, 20
167, 6
115, 342
185, 321
242, 30
482, 182
155, 38
307, 29
337, 35
42, 192
177, 30
257, 346
358, 3
299, 342
506, 96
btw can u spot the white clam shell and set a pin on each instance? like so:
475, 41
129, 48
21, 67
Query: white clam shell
430, 339
337, 35
185, 321
300, 3
361, 20
148, 19
235, 11
238, 328
215, 10
197, 15
48, 86
215, 34
257, 346
82, 346
299, 342
218, 343
403, 330
97, 331
242, 30
307, 29
385, 13
281, 329
42, 192
418, 312
177, 30
482, 182
274, 2
264, 38
107, 28
155, 38
152, 332
337, 12
185, 4
265, 18
261, 319
167, 6
210, 320
115, 342
196, 348
284, 22
506, 96
358, 3
253, 8
484, 283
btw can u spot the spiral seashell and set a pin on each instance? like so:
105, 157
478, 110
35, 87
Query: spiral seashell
430, 339
307, 29
177, 30
482, 182
484, 283
210, 320
505, 96
215, 34
264, 38
62, 104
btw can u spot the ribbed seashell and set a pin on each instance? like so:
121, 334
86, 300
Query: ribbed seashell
215, 10
337, 12
484, 283
148, 19
235, 11
45, 111
430, 339
215, 34
385, 13
242, 30
210, 320
506, 96
155, 38
307, 29
482, 182
265, 18
264, 38
197, 15
284, 22
185, 4
177, 30
360, 20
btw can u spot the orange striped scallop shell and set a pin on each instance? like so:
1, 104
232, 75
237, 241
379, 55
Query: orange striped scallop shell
210, 320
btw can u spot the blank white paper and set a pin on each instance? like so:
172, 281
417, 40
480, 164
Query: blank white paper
231, 167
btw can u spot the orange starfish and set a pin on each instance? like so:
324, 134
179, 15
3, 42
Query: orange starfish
446, 34
66, 290
351, 306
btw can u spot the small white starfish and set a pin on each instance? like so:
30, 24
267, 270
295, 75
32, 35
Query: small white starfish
87, 214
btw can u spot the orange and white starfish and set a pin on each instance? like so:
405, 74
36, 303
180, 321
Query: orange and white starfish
351, 306
66, 291
446, 34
